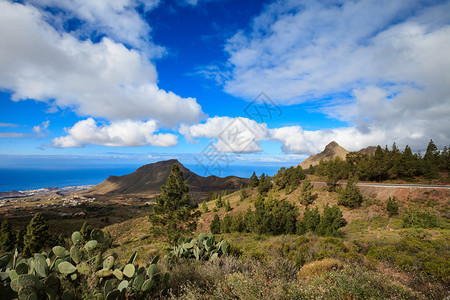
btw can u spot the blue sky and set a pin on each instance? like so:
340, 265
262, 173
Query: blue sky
256, 82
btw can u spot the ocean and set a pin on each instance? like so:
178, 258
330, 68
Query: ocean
28, 179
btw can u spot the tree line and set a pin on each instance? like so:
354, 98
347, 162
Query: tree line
387, 164
279, 216
34, 237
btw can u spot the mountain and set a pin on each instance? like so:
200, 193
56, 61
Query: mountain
368, 150
331, 151
147, 180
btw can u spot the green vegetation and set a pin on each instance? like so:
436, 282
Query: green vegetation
83, 272
204, 247
306, 197
37, 235
172, 215
392, 206
278, 238
6, 237
289, 178
351, 196
387, 164
419, 219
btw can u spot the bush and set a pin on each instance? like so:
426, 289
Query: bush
419, 219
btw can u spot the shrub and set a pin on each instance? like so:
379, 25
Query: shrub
421, 219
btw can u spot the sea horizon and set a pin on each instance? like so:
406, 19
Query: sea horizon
23, 179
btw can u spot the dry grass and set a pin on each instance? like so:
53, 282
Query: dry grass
316, 268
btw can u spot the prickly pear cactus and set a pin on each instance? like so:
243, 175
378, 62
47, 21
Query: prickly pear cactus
204, 247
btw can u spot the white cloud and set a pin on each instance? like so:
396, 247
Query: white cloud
390, 56
242, 135
9, 125
103, 79
126, 133
41, 129
238, 135
13, 135
118, 19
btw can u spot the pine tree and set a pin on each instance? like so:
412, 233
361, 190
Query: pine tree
311, 170
172, 214
264, 184
37, 235
227, 205
254, 181
219, 202
351, 196
311, 219
6, 237
205, 207
225, 226
332, 183
331, 221
392, 206
19, 239
85, 231
238, 224
215, 225
306, 197
243, 194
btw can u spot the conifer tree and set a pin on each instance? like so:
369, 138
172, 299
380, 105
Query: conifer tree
392, 206
85, 231
205, 207
351, 196
225, 226
311, 170
306, 197
37, 235
172, 214
254, 181
19, 239
6, 237
238, 224
227, 205
311, 219
264, 184
332, 183
243, 195
219, 202
331, 221
215, 225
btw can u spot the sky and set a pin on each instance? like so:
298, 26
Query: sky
219, 81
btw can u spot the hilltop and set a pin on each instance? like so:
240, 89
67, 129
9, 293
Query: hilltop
147, 180
331, 151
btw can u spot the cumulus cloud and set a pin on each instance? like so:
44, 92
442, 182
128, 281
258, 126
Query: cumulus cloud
104, 79
393, 69
242, 135
119, 20
126, 133
238, 135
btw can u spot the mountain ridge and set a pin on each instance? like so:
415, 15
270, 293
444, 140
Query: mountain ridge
148, 179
